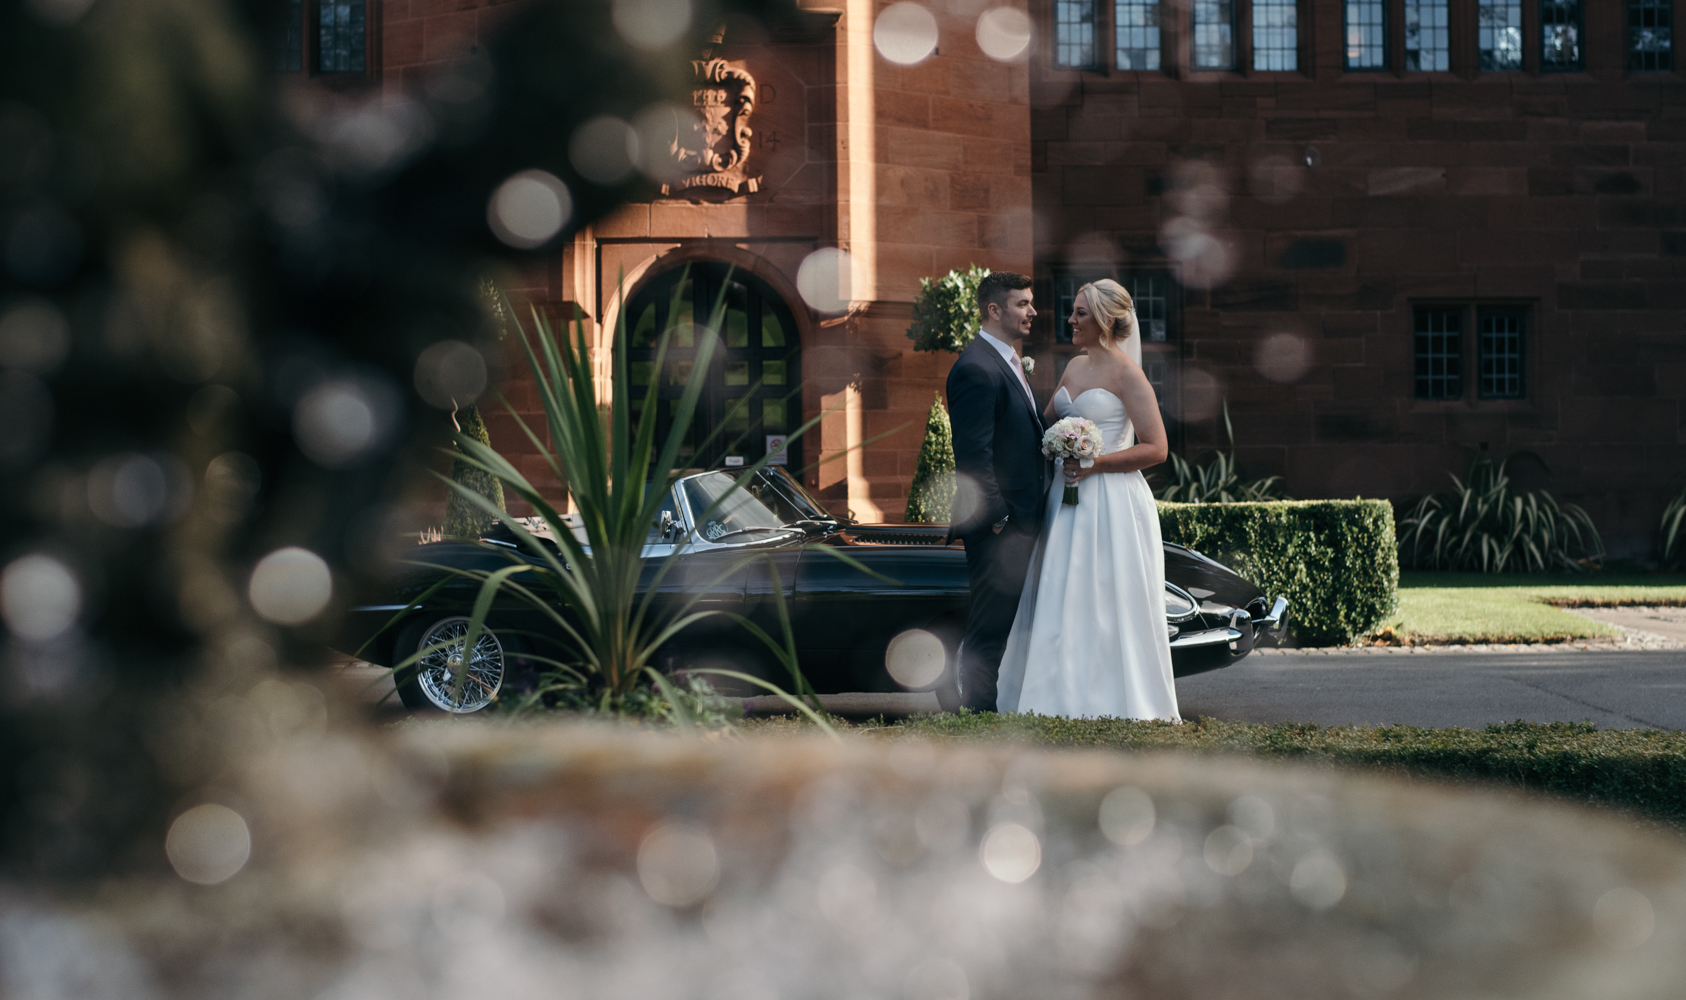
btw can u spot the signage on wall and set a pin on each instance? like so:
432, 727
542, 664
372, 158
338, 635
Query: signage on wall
734, 461
775, 449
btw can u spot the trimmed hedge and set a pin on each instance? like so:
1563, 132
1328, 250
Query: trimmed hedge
1639, 769
1336, 561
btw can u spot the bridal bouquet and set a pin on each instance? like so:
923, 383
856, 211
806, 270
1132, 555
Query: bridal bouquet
1073, 438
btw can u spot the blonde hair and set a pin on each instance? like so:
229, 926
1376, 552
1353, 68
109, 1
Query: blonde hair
1111, 306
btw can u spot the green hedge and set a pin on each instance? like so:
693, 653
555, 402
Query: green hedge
1639, 769
1336, 561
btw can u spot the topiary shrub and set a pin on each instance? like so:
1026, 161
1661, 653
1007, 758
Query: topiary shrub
1334, 560
462, 518
945, 315
931, 496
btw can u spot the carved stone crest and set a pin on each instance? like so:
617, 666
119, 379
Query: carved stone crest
712, 148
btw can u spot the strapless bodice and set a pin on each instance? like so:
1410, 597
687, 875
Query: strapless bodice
1104, 409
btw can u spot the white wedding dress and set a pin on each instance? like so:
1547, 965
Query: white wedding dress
1089, 640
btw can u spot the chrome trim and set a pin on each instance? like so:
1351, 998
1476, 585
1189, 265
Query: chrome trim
1186, 596
1212, 637
1275, 623
382, 607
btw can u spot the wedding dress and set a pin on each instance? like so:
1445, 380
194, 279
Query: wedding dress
1089, 639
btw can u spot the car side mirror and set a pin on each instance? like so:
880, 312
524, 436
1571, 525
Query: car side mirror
669, 527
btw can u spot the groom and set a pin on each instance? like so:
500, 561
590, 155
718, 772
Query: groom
998, 448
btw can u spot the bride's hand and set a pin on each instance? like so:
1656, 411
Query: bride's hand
1075, 473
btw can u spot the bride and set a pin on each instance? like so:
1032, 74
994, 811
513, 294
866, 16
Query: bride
1089, 639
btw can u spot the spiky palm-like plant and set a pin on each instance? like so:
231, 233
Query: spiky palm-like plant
931, 496
618, 477
1218, 481
1671, 534
1486, 525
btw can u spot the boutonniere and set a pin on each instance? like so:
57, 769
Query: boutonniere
1029, 365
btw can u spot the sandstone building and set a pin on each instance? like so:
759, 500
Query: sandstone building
1389, 235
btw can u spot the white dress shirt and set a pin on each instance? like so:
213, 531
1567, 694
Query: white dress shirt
1012, 358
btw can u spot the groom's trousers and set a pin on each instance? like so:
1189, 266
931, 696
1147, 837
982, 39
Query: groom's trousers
997, 566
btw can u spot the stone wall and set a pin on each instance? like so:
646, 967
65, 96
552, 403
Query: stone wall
1558, 193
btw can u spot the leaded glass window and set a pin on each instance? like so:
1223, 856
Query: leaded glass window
1560, 35
1151, 293
1074, 34
1650, 34
1439, 353
1136, 23
1276, 35
1501, 353
1366, 34
1214, 35
1427, 36
343, 37
1499, 34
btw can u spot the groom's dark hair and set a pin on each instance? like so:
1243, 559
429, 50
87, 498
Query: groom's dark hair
994, 288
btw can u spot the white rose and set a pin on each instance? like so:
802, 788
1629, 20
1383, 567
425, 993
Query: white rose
1029, 365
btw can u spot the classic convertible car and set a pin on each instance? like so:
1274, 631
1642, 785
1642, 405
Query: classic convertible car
897, 628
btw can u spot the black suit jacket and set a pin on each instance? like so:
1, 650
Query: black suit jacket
997, 441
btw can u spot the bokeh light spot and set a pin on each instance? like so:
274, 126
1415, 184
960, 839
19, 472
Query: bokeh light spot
34, 337
528, 209
905, 33
1126, 816
824, 280
342, 420
651, 24
1004, 33
208, 844
677, 864
290, 586
1283, 357
1624, 918
604, 150
1318, 881
39, 598
1011, 852
450, 374
1229, 851
915, 658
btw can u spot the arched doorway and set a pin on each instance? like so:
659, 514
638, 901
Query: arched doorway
752, 394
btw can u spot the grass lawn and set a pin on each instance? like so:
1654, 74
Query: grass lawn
1639, 770
1482, 607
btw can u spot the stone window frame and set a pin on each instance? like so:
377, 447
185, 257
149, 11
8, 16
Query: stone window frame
1176, 55
1663, 11
1384, 44
1472, 393
308, 27
1576, 9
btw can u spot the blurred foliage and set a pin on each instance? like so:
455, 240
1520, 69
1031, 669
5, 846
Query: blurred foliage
1671, 533
1334, 560
227, 280
462, 518
945, 314
1486, 525
1641, 770
1219, 481
931, 495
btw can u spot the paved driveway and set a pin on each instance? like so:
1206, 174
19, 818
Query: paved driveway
1615, 689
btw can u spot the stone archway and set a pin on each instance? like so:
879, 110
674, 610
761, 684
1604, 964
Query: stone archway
752, 389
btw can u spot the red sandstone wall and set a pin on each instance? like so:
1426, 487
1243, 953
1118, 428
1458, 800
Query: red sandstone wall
1566, 193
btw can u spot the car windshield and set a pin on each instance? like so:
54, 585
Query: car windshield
739, 510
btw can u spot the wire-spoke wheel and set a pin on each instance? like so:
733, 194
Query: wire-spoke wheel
442, 677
